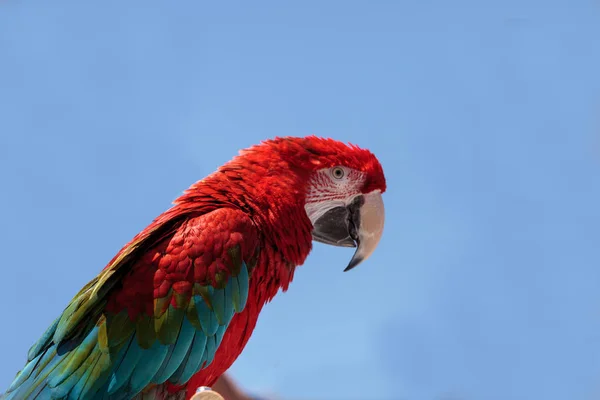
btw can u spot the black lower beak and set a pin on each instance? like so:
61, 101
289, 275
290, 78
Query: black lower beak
359, 224
339, 227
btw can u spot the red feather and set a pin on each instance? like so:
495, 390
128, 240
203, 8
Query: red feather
268, 182
255, 201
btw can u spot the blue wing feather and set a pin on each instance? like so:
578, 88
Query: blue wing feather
81, 356
89, 370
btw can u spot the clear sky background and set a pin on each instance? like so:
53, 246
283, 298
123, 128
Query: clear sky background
484, 114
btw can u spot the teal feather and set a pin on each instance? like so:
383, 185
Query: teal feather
63, 390
43, 342
218, 304
235, 293
73, 366
23, 381
203, 361
228, 302
219, 335
35, 357
81, 387
41, 392
177, 353
37, 392
179, 372
45, 364
193, 360
25, 373
63, 326
207, 317
73, 360
147, 366
130, 355
243, 284
161, 368
211, 349
80, 368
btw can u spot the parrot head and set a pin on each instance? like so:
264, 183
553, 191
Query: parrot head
342, 215
344, 200
339, 185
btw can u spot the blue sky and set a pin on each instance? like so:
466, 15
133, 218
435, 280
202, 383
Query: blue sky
485, 116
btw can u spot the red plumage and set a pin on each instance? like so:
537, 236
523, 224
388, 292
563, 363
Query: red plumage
255, 205
268, 184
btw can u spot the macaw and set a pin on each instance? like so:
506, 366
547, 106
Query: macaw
176, 306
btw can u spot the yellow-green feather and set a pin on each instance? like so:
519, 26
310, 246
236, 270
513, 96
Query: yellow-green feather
86, 350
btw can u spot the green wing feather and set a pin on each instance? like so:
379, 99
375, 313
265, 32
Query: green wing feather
93, 351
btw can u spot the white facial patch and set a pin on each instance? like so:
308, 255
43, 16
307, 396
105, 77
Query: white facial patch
329, 188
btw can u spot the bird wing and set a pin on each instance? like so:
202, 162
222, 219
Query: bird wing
156, 313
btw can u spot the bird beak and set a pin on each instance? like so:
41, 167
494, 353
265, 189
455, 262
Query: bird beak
360, 225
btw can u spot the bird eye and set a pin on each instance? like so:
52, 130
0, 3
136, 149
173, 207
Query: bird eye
337, 172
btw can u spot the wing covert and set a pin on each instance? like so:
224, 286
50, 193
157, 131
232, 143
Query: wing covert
157, 313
